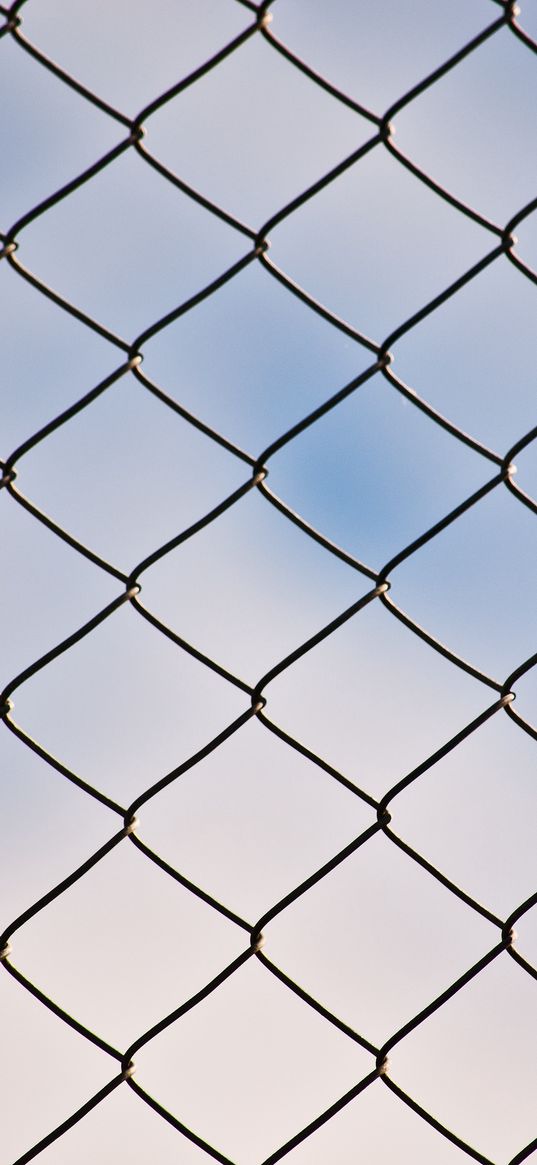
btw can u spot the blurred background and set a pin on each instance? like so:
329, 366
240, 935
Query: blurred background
379, 938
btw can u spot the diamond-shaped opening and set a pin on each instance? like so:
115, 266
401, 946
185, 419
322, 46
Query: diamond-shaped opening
125, 706
526, 248
48, 128
361, 54
526, 941
472, 358
49, 827
252, 821
125, 946
127, 474
128, 247
471, 1064
527, 469
49, 359
125, 58
379, 1128
377, 939
452, 130
253, 359
47, 1070
375, 473
254, 133
384, 245
526, 692
374, 700
123, 1126
250, 587
250, 1066
461, 585
460, 813
40, 612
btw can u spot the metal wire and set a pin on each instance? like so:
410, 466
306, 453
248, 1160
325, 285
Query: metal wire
130, 355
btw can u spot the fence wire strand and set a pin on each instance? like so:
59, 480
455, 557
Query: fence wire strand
503, 243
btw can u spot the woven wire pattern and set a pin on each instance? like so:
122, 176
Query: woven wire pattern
129, 355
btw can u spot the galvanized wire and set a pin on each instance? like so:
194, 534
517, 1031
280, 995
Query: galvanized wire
501, 471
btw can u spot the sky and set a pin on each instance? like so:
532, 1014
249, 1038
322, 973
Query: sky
378, 938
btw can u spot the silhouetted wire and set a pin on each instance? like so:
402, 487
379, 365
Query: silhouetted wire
253, 691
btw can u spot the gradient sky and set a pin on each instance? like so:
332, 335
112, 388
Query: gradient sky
378, 938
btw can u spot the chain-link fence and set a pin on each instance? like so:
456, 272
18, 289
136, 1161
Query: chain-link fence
496, 473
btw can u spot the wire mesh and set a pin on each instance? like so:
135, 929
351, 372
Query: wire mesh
500, 693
